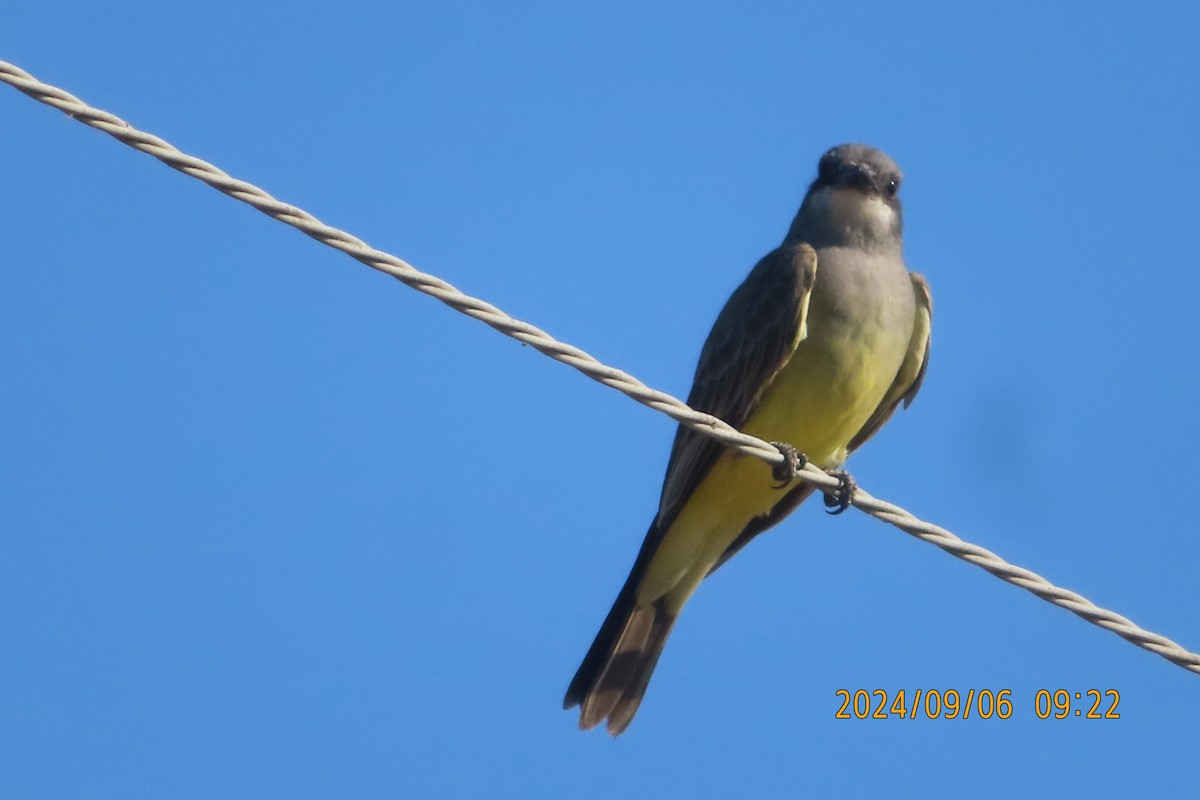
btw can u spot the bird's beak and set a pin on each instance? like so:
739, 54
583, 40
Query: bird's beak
858, 176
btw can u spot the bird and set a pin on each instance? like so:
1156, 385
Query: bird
825, 338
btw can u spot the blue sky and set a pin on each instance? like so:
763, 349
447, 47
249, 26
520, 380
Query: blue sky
273, 525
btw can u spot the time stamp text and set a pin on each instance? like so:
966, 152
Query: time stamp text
978, 703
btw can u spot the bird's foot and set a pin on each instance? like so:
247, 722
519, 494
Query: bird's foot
839, 499
789, 470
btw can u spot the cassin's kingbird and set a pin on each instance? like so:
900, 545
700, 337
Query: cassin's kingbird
821, 343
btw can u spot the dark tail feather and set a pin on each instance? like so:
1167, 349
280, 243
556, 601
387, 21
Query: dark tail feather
616, 671
613, 677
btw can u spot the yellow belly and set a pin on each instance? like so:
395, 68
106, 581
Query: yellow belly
817, 403
822, 398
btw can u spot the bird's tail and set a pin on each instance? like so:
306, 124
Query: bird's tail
613, 677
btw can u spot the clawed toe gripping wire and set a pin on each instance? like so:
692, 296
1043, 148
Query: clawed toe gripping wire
574, 357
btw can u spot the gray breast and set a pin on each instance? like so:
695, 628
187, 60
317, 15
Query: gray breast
865, 291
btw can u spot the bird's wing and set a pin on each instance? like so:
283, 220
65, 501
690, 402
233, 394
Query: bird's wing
912, 372
752, 340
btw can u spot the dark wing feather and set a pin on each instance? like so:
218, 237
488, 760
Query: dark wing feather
751, 341
753, 338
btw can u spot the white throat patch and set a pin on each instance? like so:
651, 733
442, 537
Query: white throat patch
853, 215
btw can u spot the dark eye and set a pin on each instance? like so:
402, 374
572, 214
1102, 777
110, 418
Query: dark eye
891, 187
827, 171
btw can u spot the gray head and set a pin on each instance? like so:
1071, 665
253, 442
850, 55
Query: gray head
853, 202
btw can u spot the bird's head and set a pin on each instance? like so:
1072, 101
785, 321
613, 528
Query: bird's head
853, 202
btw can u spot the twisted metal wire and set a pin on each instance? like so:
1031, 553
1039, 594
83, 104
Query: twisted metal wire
574, 357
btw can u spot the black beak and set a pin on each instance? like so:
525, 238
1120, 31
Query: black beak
857, 176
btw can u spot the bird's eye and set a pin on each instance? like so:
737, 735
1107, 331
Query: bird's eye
892, 187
